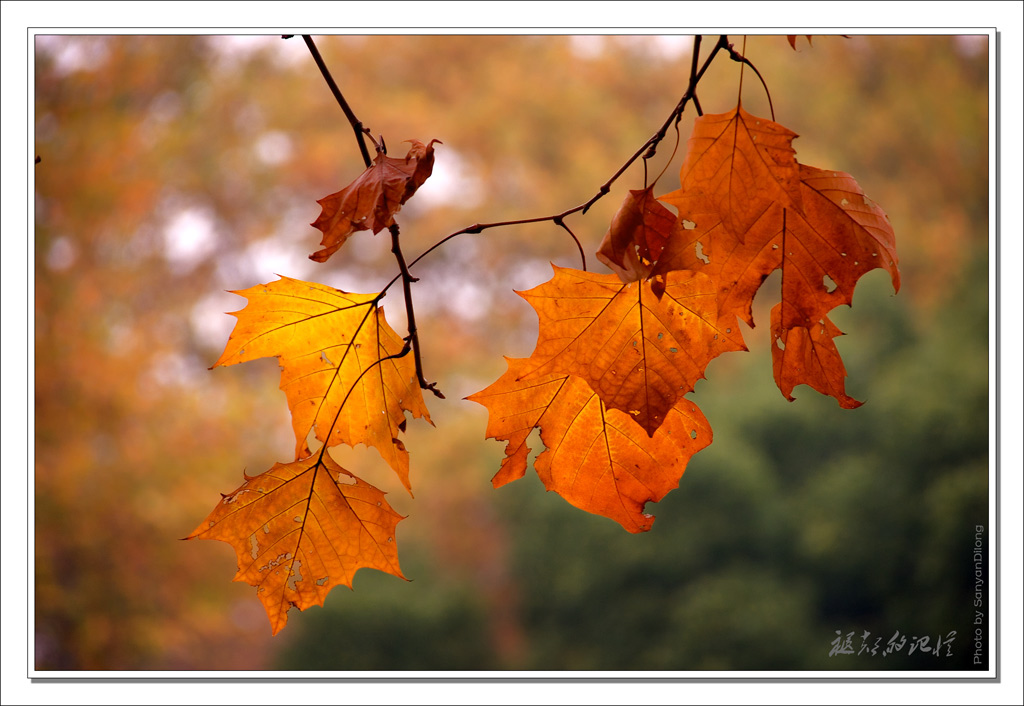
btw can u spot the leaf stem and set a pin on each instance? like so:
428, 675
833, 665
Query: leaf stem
357, 126
579, 246
736, 56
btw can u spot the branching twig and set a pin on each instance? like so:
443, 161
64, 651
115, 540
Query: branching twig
407, 279
647, 150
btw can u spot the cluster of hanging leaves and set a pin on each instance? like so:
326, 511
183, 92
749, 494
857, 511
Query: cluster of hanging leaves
607, 382
616, 354
303, 527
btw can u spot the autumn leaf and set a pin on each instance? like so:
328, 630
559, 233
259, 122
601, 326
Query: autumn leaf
372, 200
640, 352
791, 38
742, 164
822, 249
339, 369
637, 235
302, 528
598, 459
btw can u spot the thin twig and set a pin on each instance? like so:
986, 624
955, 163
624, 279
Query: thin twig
357, 126
413, 337
647, 150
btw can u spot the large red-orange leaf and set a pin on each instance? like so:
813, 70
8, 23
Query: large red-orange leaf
637, 235
822, 250
373, 199
302, 528
743, 164
808, 355
639, 351
331, 346
598, 459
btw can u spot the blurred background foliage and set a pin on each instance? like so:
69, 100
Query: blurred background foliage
174, 168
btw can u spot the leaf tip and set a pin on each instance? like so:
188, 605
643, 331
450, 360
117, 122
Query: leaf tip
848, 402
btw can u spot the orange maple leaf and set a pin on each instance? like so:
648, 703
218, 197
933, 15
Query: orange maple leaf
372, 200
823, 248
340, 369
301, 529
598, 459
639, 351
743, 164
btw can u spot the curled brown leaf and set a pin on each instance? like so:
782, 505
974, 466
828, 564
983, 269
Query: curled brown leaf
372, 200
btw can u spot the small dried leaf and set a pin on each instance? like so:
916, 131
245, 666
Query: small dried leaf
373, 199
636, 236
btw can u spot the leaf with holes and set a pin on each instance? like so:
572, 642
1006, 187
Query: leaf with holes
598, 459
823, 248
342, 369
302, 528
372, 200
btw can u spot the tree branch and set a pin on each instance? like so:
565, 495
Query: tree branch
357, 126
692, 88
